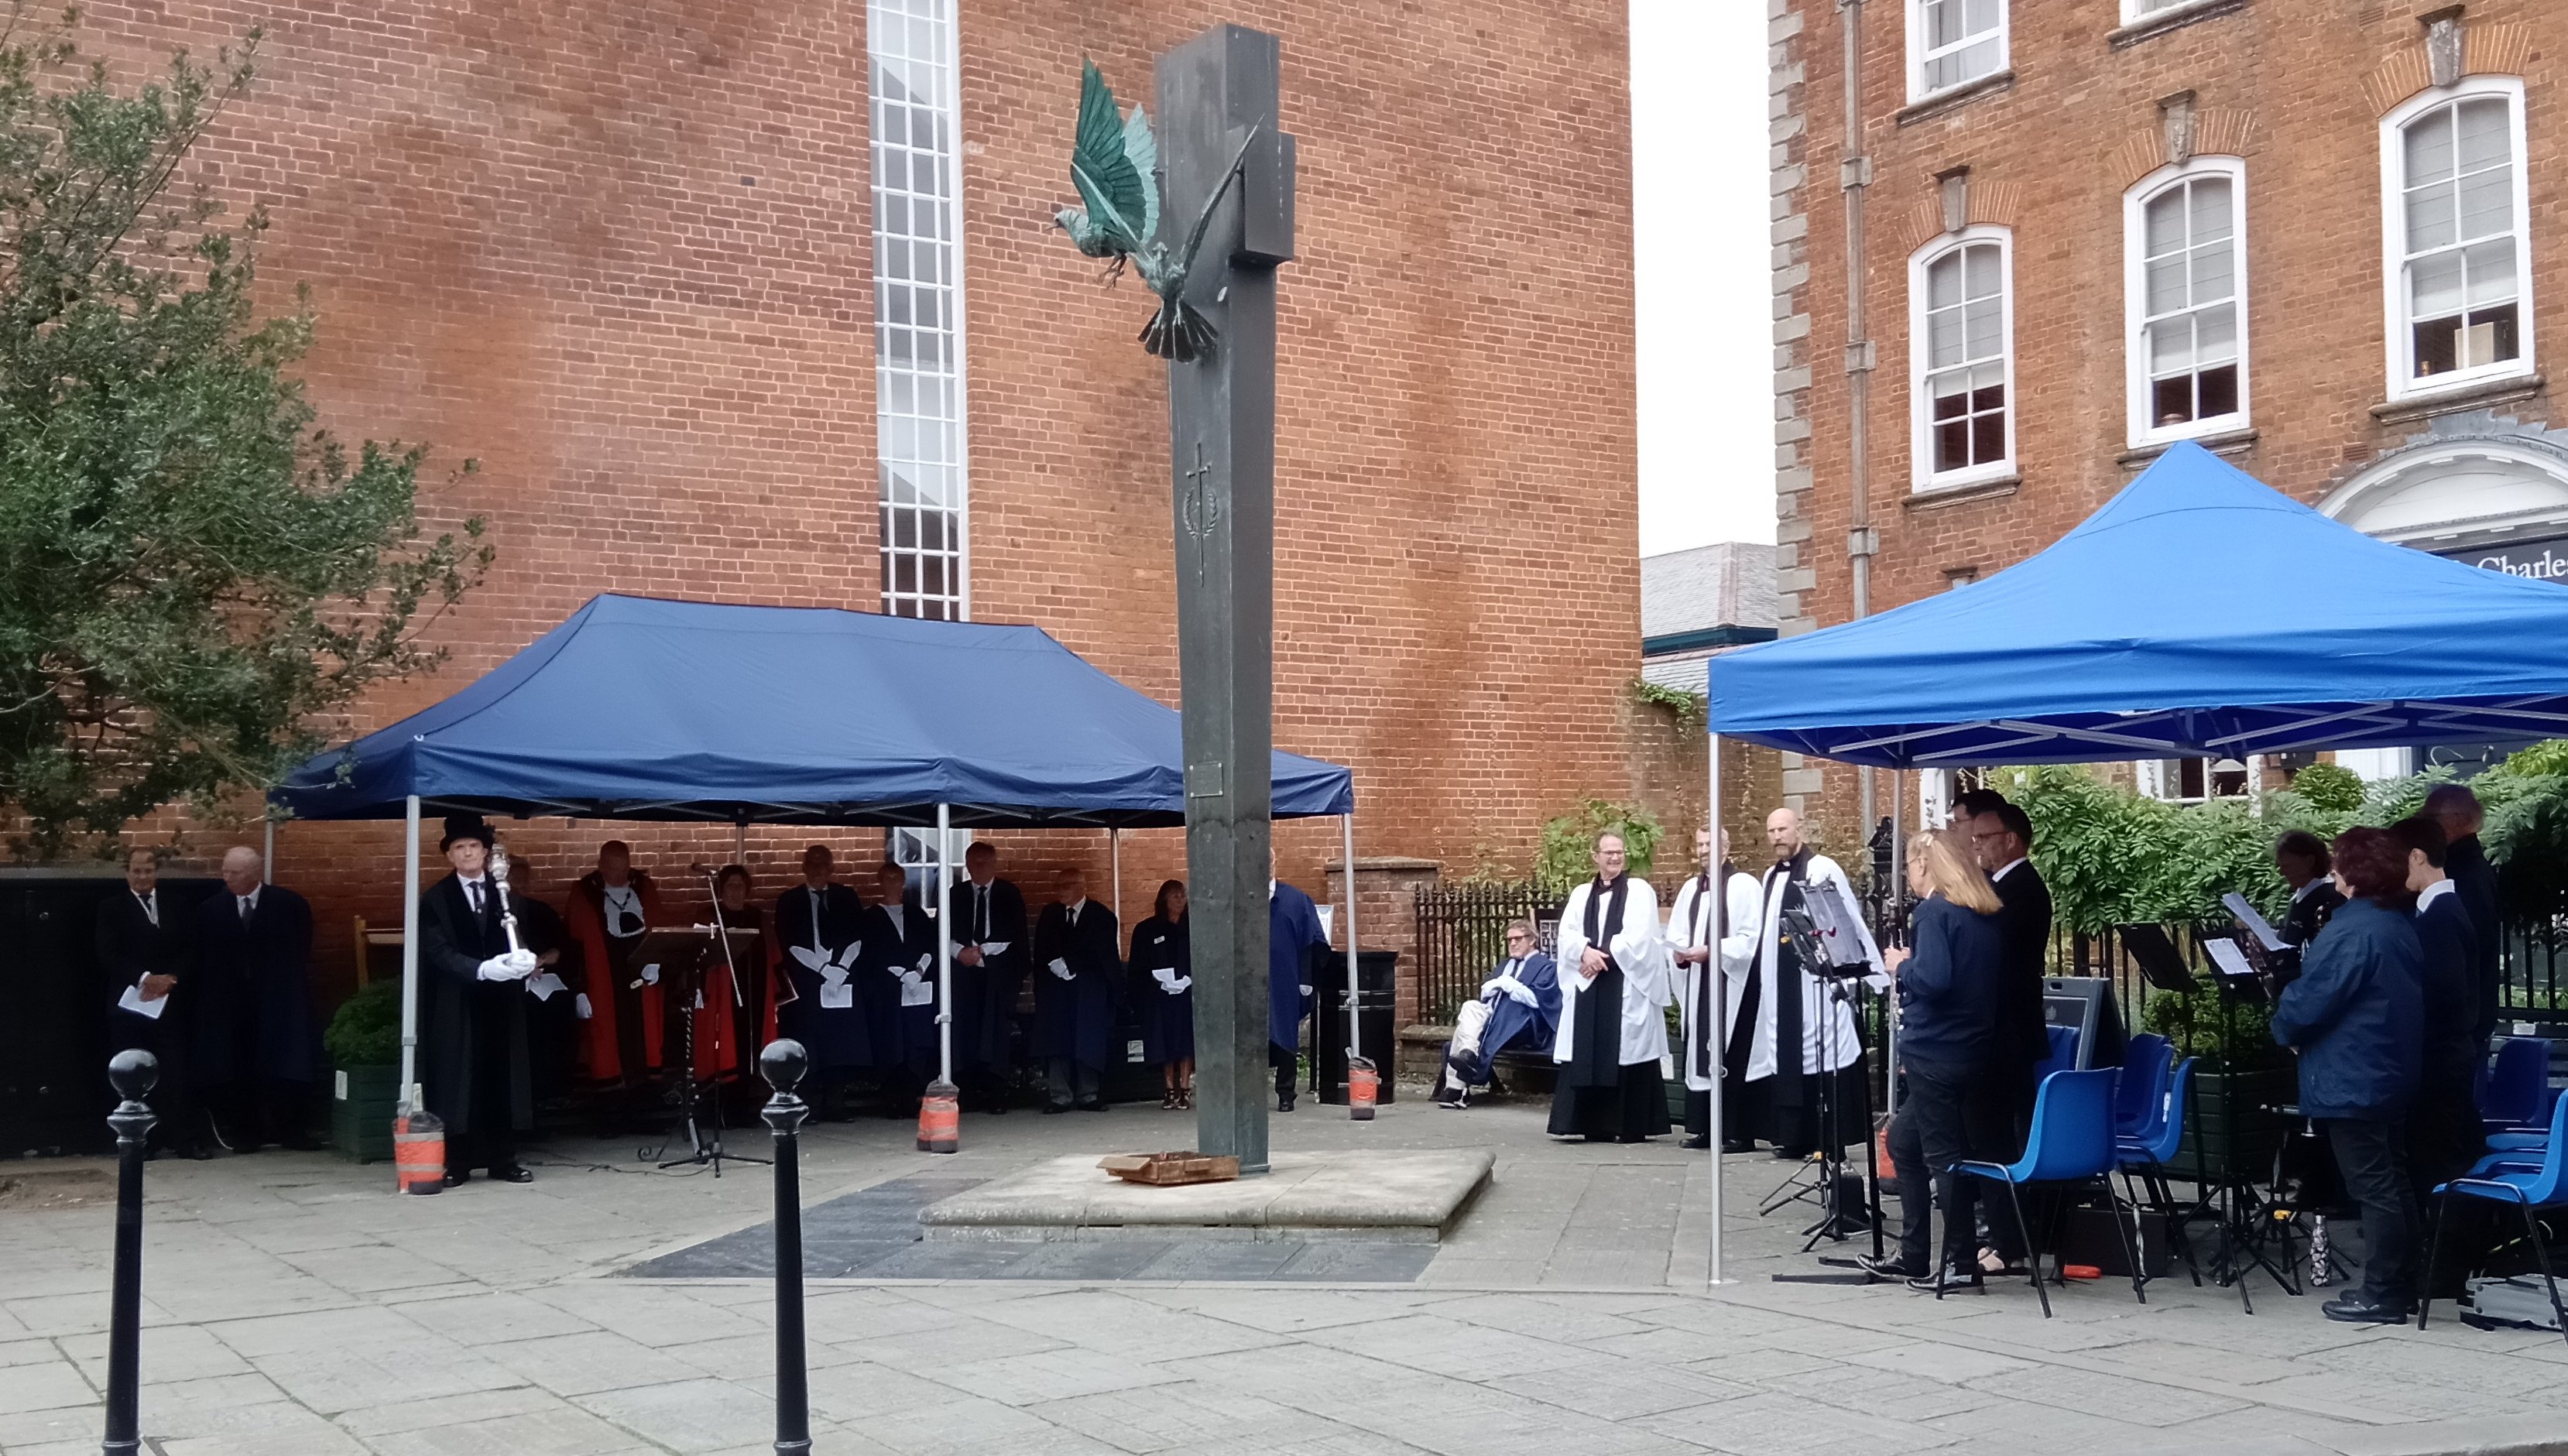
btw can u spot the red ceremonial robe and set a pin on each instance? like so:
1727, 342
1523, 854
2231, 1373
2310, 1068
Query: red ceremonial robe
743, 1026
586, 913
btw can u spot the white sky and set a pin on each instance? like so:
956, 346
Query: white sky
1705, 351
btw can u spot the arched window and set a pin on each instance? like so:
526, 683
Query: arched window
1962, 359
2185, 300
2459, 263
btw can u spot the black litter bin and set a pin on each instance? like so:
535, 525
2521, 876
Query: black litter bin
1377, 1020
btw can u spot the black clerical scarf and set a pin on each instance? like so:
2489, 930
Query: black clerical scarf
1788, 1089
1613, 915
1702, 1000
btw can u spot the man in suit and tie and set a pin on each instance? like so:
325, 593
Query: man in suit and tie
473, 992
250, 982
2002, 841
137, 939
1077, 960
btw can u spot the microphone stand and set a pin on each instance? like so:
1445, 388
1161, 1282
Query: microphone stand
707, 1150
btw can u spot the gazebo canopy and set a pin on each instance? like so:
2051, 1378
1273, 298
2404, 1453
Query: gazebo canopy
2198, 614
638, 708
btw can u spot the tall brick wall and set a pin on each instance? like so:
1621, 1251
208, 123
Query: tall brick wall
619, 253
2297, 88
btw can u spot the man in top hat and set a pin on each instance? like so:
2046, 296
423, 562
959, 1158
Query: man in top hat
474, 994
610, 908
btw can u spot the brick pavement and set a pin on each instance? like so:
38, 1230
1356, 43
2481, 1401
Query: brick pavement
294, 1307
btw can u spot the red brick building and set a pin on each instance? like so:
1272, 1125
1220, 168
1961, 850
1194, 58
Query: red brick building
762, 303
2324, 239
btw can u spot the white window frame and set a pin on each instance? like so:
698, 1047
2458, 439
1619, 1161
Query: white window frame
2136, 11
2139, 393
920, 413
1921, 442
1918, 90
2399, 336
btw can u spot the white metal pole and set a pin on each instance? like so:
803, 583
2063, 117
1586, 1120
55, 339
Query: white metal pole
944, 955
1716, 1037
267, 857
1355, 1038
1115, 855
409, 959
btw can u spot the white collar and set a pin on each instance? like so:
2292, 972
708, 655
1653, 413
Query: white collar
2435, 892
1076, 906
1270, 889
2305, 891
251, 897
2006, 869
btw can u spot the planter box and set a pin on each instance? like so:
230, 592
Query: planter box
361, 1113
2228, 1132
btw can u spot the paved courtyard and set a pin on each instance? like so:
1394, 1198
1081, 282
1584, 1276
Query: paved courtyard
294, 1306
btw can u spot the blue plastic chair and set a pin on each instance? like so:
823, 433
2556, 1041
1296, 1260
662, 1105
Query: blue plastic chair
2072, 1142
2063, 1052
2149, 1152
2140, 1099
2518, 1086
2518, 1181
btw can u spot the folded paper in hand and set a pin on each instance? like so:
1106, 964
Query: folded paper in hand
1164, 974
812, 956
132, 1001
1179, 986
1059, 968
837, 995
995, 948
543, 983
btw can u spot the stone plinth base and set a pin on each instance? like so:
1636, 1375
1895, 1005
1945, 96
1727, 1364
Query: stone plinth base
1398, 1197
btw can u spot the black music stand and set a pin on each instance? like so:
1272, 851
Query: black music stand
684, 958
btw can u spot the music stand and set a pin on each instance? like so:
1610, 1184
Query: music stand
1828, 936
2161, 965
684, 956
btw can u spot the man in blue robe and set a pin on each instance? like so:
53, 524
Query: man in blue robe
1292, 931
1078, 961
1520, 1002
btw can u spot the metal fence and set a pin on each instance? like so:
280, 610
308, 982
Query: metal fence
1462, 934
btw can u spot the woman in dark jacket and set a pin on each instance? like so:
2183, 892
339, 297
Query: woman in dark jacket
2357, 1016
1953, 1054
1164, 979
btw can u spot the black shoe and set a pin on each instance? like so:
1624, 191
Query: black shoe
511, 1174
1449, 1099
1054, 1110
1091, 1105
1284, 1104
1793, 1155
1891, 1269
1696, 1142
2353, 1308
1739, 1146
458, 1177
1946, 1278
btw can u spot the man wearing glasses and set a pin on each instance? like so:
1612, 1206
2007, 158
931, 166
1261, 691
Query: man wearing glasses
1520, 1002
2002, 841
1613, 984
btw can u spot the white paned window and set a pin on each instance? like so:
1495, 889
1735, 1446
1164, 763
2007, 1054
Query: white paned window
1961, 348
2460, 263
2142, 9
1953, 42
2185, 300
918, 308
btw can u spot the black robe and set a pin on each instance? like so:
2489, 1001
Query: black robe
552, 1024
2444, 1133
473, 1059
840, 1038
2302, 919
130, 947
250, 989
1168, 1021
2474, 879
985, 995
1074, 1018
906, 1042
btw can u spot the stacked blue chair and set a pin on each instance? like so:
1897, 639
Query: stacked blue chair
2529, 1184
2148, 1151
2518, 1088
2071, 1143
2140, 1099
2063, 1052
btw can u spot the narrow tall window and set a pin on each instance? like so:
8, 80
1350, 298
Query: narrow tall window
1959, 346
2185, 291
1953, 42
918, 309
2459, 266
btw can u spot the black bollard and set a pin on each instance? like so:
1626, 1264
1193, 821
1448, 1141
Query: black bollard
783, 1064
132, 1073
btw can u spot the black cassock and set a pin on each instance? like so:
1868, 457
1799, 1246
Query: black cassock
1167, 1017
1074, 1018
473, 1033
824, 929
250, 984
897, 979
985, 995
552, 1023
133, 941
1597, 1097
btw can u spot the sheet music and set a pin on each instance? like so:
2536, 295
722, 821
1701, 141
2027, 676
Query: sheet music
2237, 905
132, 1001
2231, 960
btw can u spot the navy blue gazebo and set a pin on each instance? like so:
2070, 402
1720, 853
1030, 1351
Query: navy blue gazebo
640, 708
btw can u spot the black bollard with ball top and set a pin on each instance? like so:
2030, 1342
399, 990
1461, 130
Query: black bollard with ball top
783, 1064
132, 1073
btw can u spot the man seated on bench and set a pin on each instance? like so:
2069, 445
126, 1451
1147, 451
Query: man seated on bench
1519, 1005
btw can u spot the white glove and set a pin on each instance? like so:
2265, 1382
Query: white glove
521, 962
1179, 984
579, 1003
909, 978
1493, 983
1059, 968
1519, 993
1306, 990
1164, 974
505, 967
650, 973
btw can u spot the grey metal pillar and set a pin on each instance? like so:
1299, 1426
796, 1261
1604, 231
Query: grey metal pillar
1215, 92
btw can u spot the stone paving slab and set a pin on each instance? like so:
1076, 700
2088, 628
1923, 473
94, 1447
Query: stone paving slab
1402, 1196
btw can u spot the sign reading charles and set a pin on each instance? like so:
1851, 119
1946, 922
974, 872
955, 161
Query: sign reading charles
2543, 560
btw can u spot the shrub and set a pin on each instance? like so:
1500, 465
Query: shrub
2328, 786
1569, 841
367, 1030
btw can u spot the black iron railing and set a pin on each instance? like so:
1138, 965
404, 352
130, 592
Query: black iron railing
1462, 933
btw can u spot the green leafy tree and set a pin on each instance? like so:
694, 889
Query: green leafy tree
2330, 786
192, 574
1568, 842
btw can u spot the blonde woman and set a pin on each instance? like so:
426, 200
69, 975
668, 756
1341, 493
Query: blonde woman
1952, 1052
